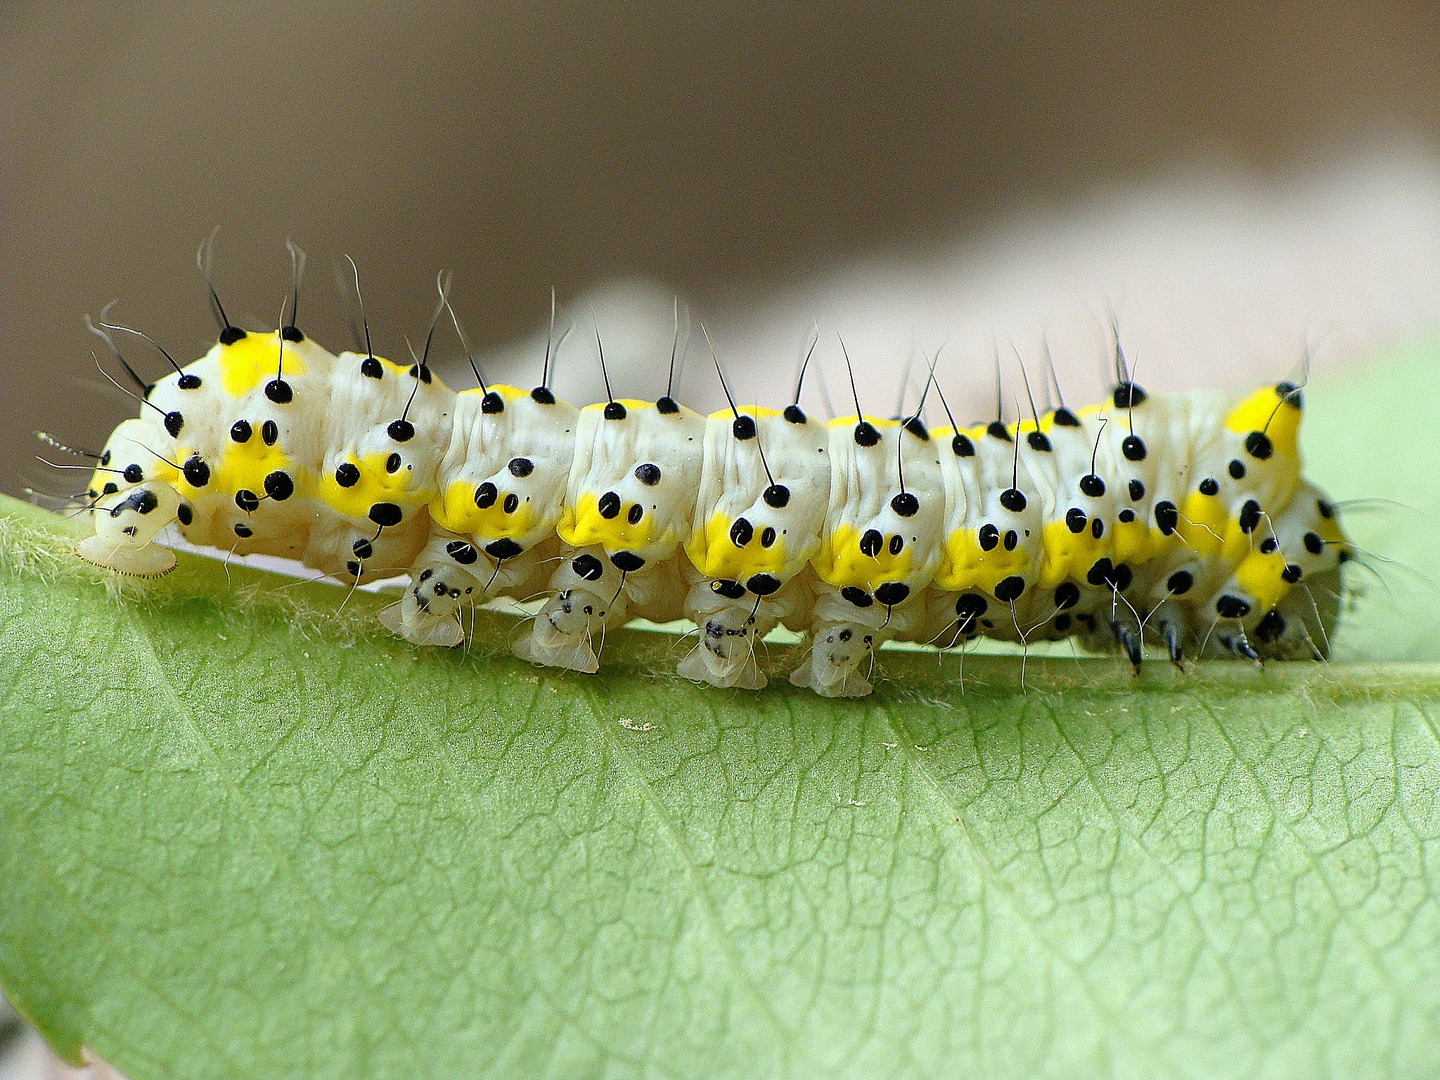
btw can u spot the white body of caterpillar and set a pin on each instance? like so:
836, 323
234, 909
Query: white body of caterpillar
1180, 519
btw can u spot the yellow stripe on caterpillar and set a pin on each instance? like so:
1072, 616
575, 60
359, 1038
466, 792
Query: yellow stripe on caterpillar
458, 511
966, 565
372, 483
1262, 576
843, 563
255, 357
714, 551
584, 525
1273, 411
1070, 554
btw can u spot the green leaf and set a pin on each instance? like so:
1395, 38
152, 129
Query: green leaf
243, 834
1367, 438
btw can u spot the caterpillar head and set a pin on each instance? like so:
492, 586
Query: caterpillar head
1291, 580
726, 653
1299, 627
126, 524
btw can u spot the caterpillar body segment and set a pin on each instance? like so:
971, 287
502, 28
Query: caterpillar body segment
628, 506
762, 500
384, 433
879, 551
1180, 522
498, 494
632, 482
881, 537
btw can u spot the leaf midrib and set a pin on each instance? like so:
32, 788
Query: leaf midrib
734, 961
995, 883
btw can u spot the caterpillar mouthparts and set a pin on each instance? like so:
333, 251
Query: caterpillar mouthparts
1181, 520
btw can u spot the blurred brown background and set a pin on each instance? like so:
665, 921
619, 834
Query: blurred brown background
720, 149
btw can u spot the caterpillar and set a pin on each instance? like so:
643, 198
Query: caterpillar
1176, 520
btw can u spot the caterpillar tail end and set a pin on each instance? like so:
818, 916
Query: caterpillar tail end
126, 524
147, 562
